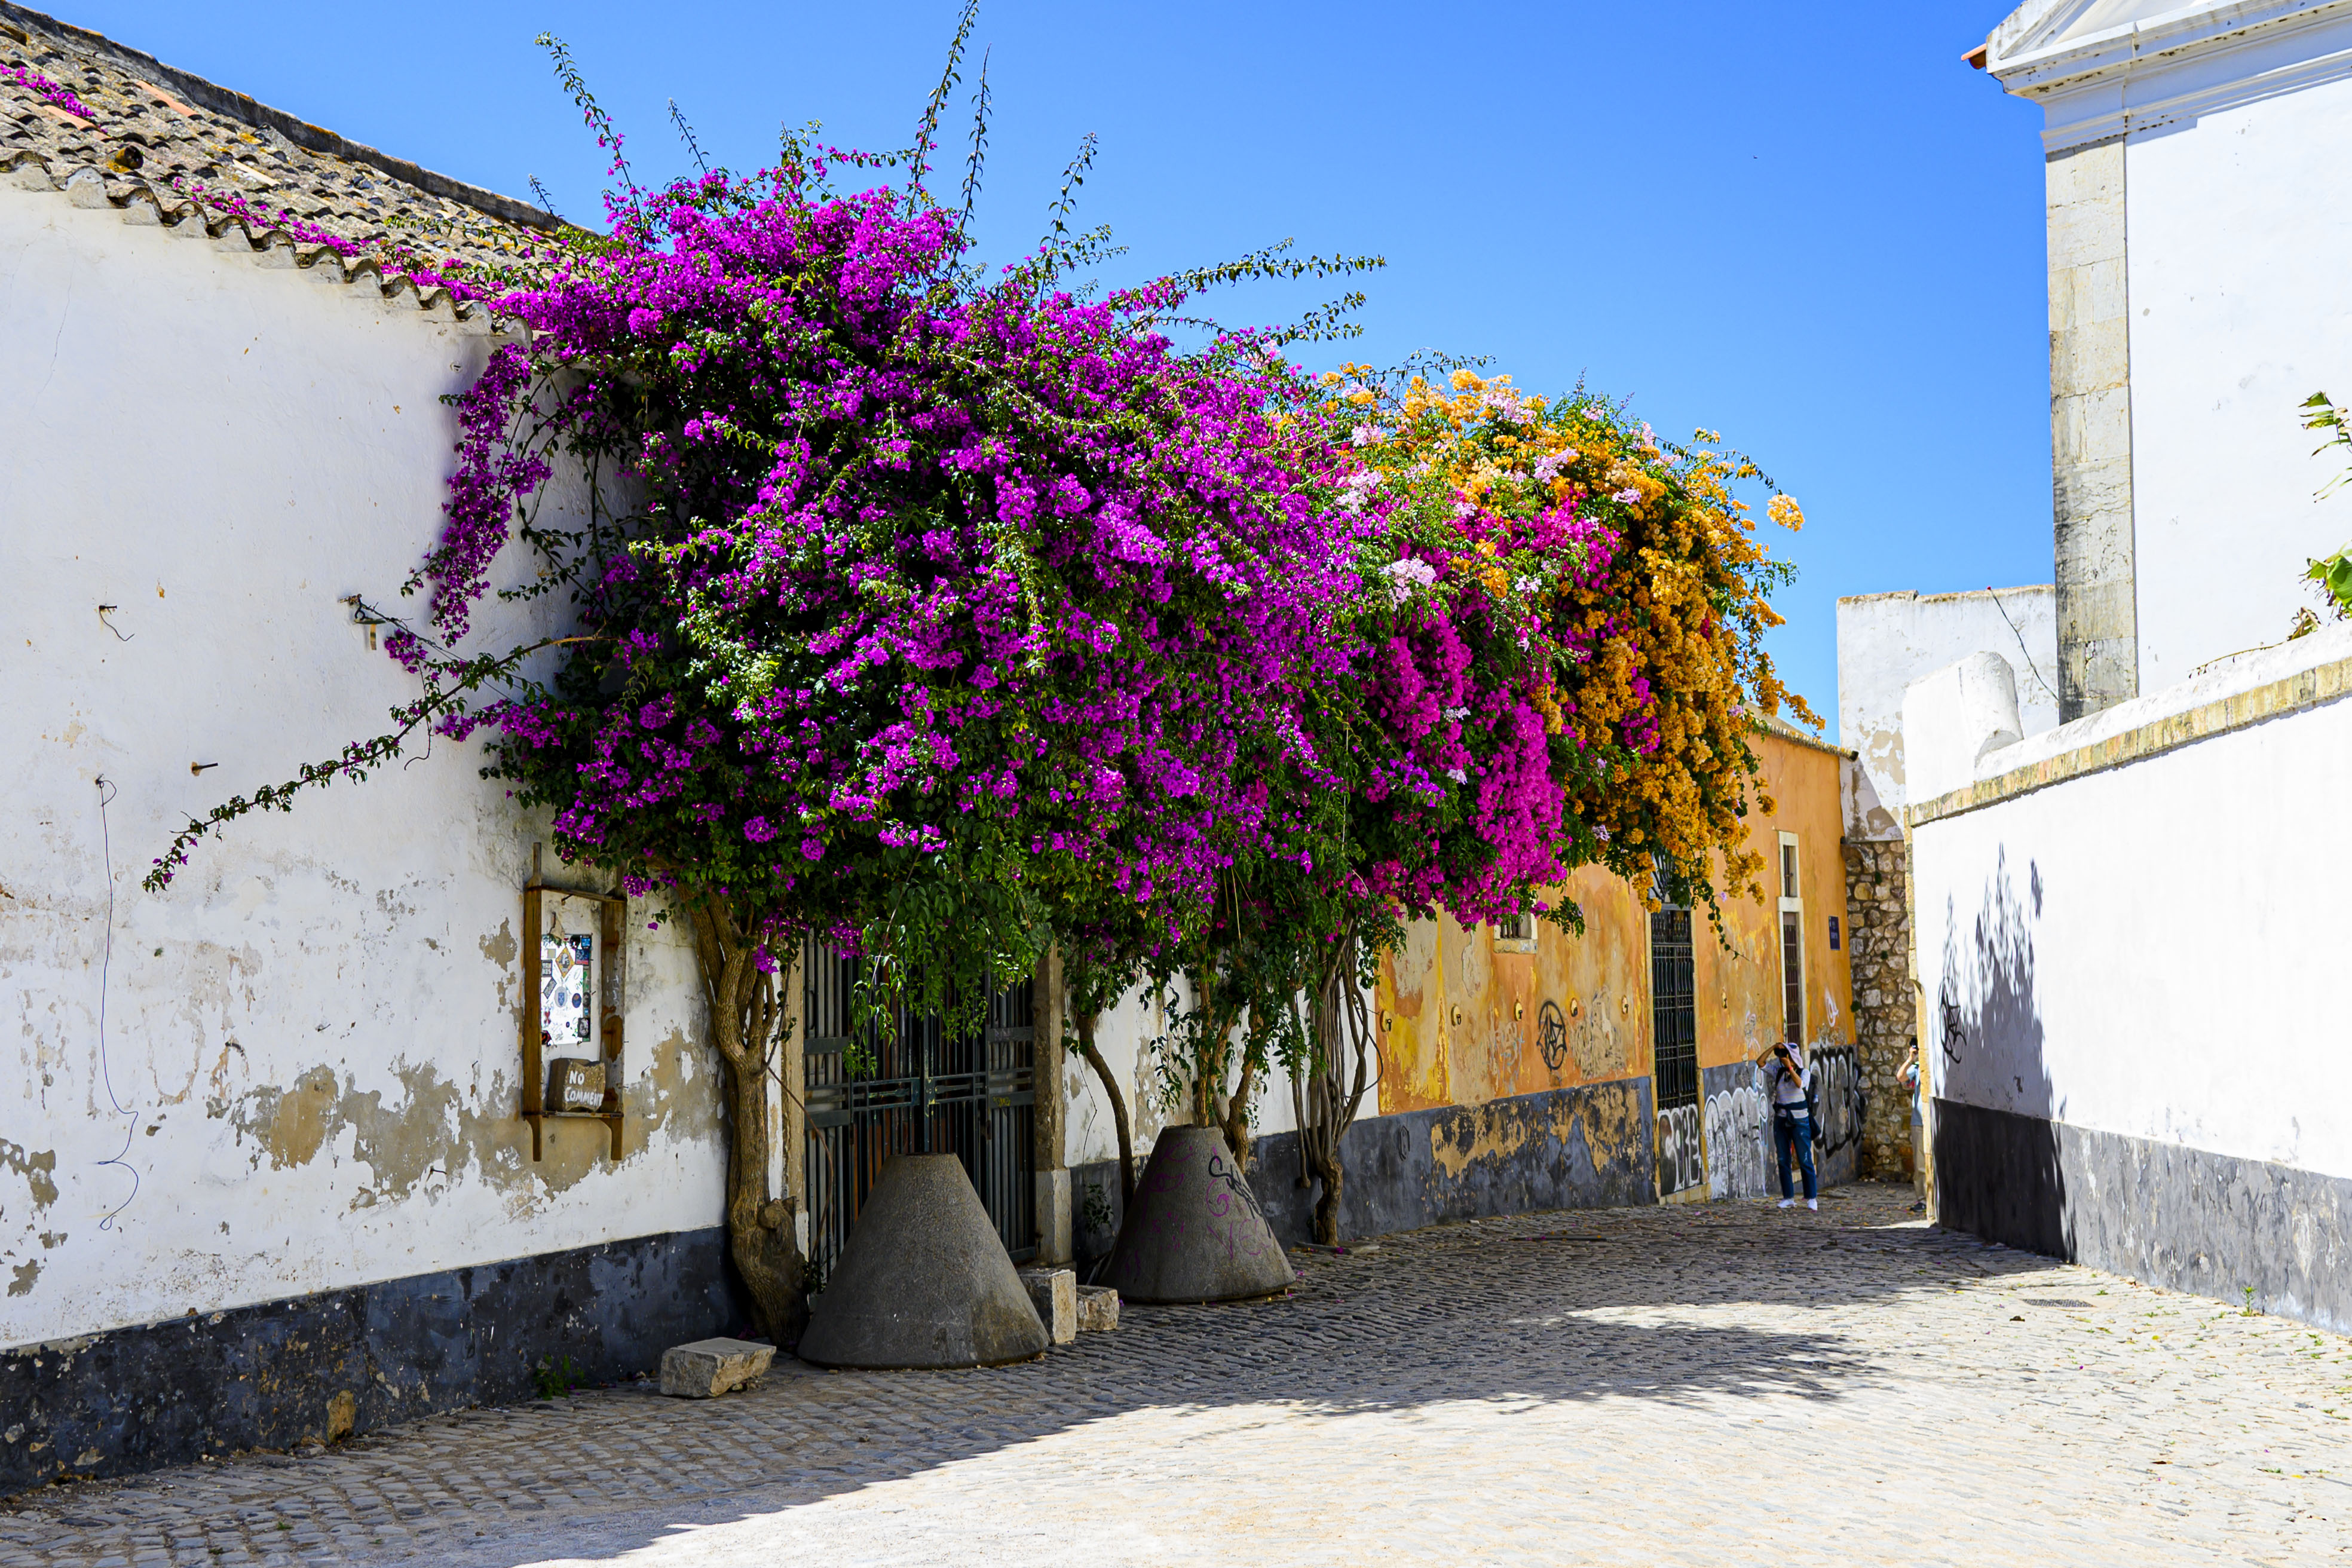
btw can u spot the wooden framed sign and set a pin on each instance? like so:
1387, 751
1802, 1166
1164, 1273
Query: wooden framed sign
574, 975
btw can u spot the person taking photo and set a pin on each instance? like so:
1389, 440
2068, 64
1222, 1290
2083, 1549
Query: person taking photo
1788, 1088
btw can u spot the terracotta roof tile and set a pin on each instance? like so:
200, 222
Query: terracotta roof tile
172, 148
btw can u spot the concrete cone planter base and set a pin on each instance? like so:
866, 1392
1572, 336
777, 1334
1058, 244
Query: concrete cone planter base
923, 1281
1194, 1232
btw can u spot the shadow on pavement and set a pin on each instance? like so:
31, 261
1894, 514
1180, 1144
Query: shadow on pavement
1566, 1306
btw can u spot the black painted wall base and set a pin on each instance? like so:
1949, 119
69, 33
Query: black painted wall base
344, 1362
1587, 1147
2183, 1218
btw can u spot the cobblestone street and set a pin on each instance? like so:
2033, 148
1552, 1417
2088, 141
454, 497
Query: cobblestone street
1722, 1385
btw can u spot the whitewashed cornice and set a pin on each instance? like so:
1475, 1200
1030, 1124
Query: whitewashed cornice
2139, 76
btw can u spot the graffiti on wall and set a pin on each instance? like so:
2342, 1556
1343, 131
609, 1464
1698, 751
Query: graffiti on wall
1736, 1134
1551, 1035
1682, 1156
1837, 1090
1583, 1031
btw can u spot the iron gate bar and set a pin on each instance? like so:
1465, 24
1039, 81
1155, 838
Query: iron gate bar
931, 1090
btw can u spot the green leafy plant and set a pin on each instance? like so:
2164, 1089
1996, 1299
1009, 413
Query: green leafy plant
2332, 572
556, 1376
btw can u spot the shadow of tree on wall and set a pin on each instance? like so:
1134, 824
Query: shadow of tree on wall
1998, 1171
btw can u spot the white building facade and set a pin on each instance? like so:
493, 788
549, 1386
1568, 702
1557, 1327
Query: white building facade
264, 1174
2198, 295
2127, 954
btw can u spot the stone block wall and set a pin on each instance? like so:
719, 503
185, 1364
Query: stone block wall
1877, 901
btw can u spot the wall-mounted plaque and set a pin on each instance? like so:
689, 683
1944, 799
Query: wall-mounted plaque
572, 976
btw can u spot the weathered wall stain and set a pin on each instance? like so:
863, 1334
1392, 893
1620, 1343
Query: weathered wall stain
298, 1118
1586, 1146
21, 1278
1412, 999
501, 948
669, 1086
1465, 1021
39, 1170
1593, 1038
436, 1128
431, 1131
1500, 1131
1462, 1021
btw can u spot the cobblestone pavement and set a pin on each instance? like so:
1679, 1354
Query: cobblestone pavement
1726, 1385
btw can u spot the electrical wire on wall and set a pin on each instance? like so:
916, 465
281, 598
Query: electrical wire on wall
2021, 645
105, 794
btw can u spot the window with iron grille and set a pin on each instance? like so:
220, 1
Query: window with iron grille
1673, 1001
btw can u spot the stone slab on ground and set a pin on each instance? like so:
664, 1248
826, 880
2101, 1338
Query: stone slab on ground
1600, 1386
708, 1368
1098, 1309
1055, 1293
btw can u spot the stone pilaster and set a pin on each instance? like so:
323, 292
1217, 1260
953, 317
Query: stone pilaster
1054, 1228
2091, 431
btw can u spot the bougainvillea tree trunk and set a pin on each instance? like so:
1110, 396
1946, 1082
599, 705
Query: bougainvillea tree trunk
1233, 1110
1326, 1096
740, 979
1086, 1048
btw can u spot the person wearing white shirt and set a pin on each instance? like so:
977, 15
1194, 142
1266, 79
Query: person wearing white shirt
1787, 1079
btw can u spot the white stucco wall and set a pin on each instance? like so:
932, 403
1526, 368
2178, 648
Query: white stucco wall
1125, 1037
2241, 308
312, 1033
1888, 641
2154, 949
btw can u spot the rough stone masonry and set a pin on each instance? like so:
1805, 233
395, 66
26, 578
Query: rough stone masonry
1878, 909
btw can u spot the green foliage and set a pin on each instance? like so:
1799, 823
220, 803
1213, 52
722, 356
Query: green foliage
2332, 572
555, 1377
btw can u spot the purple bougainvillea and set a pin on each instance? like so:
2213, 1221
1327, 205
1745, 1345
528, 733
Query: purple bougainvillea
53, 93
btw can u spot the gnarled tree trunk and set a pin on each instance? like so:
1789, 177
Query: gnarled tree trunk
1326, 1097
747, 1017
1235, 1122
1118, 1110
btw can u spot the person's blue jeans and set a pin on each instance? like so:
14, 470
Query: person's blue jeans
1794, 1132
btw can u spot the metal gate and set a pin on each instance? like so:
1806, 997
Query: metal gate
931, 1090
1673, 1006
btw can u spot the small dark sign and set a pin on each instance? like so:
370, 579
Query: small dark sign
1834, 934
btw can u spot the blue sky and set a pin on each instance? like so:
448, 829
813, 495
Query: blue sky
1810, 227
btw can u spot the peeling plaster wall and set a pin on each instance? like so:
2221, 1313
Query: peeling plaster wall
1464, 1017
313, 1034
1463, 1023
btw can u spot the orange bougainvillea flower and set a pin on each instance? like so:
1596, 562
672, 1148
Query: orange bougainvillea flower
1663, 675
